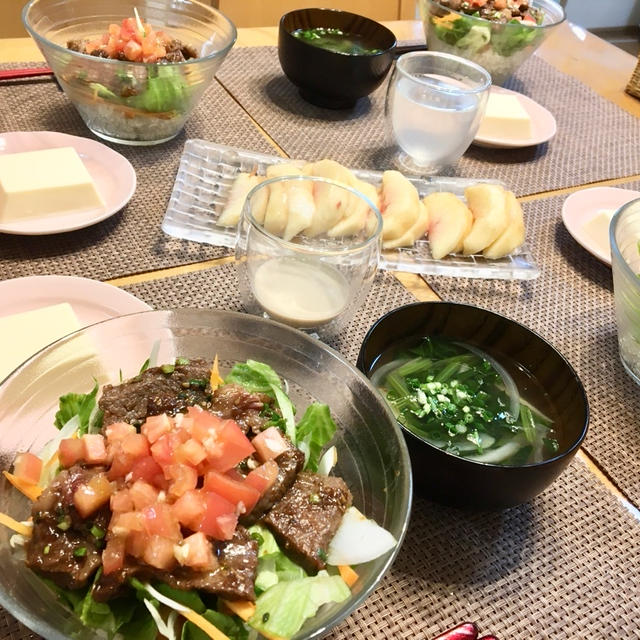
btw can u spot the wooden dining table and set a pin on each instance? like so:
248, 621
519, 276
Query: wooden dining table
570, 49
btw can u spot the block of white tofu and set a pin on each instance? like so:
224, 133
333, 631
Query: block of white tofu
23, 334
40, 183
505, 117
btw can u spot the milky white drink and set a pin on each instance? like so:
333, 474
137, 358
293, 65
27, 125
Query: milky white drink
433, 126
301, 294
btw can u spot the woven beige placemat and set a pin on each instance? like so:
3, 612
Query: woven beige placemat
571, 305
130, 241
564, 567
595, 139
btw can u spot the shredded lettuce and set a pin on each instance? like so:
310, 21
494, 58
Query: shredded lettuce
313, 432
82, 405
477, 38
284, 608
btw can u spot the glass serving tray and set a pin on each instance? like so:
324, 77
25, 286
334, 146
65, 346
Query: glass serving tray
207, 171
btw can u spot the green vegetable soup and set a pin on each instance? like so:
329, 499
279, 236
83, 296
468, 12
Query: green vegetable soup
335, 40
462, 400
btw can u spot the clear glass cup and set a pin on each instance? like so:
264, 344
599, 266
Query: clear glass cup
434, 105
307, 252
624, 235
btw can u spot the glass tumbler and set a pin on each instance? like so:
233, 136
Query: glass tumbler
624, 236
434, 105
307, 251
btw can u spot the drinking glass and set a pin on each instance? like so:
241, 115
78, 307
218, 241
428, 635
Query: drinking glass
434, 105
307, 251
624, 235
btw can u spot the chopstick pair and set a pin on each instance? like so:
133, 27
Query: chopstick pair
33, 72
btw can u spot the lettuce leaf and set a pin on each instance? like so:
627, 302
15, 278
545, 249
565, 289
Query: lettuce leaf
514, 37
84, 406
254, 376
231, 627
189, 599
165, 91
450, 31
284, 608
313, 432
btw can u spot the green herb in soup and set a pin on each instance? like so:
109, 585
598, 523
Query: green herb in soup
335, 40
459, 399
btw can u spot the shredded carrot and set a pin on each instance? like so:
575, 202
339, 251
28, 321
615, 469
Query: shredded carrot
348, 574
242, 608
18, 527
32, 491
215, 380
202, 623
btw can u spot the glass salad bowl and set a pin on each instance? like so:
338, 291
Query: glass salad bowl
498, 47
130, 102
372, 456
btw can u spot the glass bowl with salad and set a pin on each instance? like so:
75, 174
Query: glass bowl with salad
195, 474
499, 35
491, 412
134, 70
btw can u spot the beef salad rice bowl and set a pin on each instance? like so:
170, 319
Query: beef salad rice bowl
178, 503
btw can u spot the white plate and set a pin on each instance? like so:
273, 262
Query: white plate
543, 125
92, 301
583, 206
112, 173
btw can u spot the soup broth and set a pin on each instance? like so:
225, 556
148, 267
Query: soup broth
468, 403
335, 40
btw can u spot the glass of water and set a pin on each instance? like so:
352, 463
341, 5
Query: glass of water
434, 105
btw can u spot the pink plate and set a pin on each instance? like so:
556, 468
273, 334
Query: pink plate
91, 300
583, 206
543, 125
112, 173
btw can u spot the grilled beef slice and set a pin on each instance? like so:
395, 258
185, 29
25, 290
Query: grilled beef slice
307, 517
157, 390
232, 579
171, 389
62, 546
290, 463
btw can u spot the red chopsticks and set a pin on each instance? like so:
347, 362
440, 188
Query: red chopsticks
13, 74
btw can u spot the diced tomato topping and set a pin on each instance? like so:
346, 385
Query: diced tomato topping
113, 555
136, 543
160, 520
196, 551
142, 494
95, 451
120, 463
149, 470
205, 424
270, 443
182, 478
121, 501
239, 493
122, 524
230, 448
191, 452
189, 509
70, 451
135, 445
88, 498
27, 467
263, 477
118, 430
220, 519
159, 553
132, 51
155, 426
